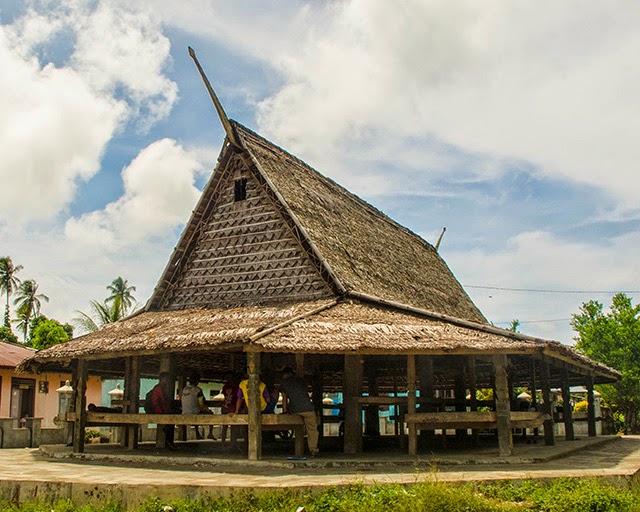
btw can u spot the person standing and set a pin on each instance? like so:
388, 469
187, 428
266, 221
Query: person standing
192, 400
230, 394
162, 403
295, 400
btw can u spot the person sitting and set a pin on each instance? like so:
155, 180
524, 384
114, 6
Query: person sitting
242, 402
230, 393
192, 399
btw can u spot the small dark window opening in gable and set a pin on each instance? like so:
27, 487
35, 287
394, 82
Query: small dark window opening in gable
240, 190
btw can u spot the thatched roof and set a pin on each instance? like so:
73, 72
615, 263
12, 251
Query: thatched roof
366, 250
278, 258
336, 242
319, 327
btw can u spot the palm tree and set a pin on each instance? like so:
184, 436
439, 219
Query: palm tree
29, 302
121, 293
103, 313
9, 282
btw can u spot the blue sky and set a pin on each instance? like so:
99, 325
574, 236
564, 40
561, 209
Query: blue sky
515, 125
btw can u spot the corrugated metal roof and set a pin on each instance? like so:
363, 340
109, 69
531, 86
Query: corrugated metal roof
11, 355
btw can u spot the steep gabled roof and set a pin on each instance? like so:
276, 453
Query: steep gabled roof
342, 244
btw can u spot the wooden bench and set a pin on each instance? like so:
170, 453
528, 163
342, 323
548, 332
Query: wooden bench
269, 422
473, 420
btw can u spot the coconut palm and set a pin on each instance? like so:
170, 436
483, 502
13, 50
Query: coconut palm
121, 293
29, 302
102, 313
9, 282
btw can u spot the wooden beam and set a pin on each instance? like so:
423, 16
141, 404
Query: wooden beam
503, 407
411, 403
547, 404
352, 390
255, 425
80, 407
231, 134
567, 415
591, 408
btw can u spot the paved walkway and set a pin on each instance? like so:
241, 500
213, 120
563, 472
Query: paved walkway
196, 470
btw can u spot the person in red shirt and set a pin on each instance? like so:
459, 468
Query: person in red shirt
162, 400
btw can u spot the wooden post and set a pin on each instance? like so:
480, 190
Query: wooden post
352, 389
547, 405
300, 365
132, 399
165, 366
567, 414
460, 397
591, 408
371, 417
80, 407
473, 387
503, 407
255, 424
411, 403
424, 374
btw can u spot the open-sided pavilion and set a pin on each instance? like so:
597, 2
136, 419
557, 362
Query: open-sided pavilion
280, 266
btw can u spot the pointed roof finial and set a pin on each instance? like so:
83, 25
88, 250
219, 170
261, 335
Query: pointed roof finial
231, 134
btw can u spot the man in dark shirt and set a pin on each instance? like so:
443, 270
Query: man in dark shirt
295, 400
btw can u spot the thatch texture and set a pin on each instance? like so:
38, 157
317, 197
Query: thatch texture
367, 251
318, 327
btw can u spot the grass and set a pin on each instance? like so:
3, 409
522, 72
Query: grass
564, 495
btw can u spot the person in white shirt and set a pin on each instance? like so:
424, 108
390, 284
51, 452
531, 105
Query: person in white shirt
192, 400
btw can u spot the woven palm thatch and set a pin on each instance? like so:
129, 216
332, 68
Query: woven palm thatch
318, 327
297, 235
278, 258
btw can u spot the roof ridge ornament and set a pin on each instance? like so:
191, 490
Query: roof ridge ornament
226, 124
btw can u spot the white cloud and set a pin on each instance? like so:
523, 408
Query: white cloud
56, 120
53, 130
541, 261
553, 84
159, 193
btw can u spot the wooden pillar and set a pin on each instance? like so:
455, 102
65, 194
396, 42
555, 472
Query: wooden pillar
503, 406
567, 414
411, 403
166, 365
460, 396
372, 417
547, 405
473, 387
300, 365
591, 408
255, 424
352, 390
80, 406
132, 399
424, 372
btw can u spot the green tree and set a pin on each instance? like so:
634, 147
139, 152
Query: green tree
102, 314
613, 338
7, 336
36, 321
9, 282
29, 302
121, 293
47, 334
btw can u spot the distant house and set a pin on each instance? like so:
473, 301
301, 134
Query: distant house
28, 396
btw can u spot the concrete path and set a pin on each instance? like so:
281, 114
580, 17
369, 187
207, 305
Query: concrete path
109, 472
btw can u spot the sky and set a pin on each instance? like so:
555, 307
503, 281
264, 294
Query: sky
515, 125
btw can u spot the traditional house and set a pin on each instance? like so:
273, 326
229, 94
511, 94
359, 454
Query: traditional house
281, 266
